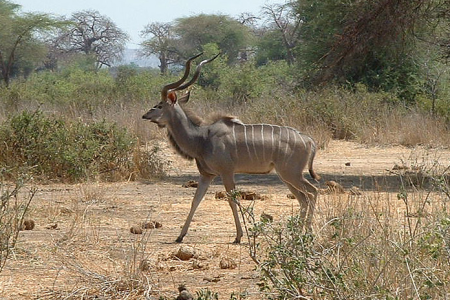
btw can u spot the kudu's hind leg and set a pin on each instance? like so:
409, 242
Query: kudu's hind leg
203, 184
307, 203
306, 194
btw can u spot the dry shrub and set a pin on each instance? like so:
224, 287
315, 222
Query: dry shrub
13, 208
376, 245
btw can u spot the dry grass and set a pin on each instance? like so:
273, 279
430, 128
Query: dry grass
371, 246
390, 241
393, 241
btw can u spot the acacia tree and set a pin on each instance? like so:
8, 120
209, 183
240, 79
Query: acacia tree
284, 27
18, 37
373, 42
94, 35
159, 42
229, 34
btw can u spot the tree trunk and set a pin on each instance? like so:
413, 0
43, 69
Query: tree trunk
163, 65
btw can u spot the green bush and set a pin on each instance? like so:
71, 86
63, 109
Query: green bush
56, 150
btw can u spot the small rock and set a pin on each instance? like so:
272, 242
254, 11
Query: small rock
243, 195
51, 226
65, 210
184, 293
347, 164
185, 253
227, 263
290, 196
211, 279
266, 217
265, 197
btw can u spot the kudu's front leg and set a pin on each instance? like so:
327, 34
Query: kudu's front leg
203, 184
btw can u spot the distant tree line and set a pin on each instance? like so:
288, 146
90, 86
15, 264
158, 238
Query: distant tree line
35, 41
399, 46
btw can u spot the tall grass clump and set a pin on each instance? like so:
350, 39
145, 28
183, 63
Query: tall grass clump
54, 149
350, 114
377, 245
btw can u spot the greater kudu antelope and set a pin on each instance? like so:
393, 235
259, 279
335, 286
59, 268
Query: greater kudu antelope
228, 146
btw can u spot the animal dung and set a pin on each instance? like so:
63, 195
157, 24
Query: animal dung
151, 225
199, 265
335, 187
355, 191
136, 229
221, 195
144, 265
190, 183
27, 225
244, 195
250, 196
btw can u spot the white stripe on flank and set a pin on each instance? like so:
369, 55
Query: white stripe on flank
253, 143
273, 141
287, 142
246, 142
262, 140
304, 144
287, 146
294, 145
234, 138
279, 141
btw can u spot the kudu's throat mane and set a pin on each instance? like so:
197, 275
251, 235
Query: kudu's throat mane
197, 121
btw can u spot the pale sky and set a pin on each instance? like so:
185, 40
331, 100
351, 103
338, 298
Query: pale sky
132, 15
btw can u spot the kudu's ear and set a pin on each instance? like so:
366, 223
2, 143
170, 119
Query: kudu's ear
172, 97
185, 98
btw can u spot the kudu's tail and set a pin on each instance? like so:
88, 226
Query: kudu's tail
311, 160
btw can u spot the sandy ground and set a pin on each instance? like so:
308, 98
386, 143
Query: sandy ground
92, 249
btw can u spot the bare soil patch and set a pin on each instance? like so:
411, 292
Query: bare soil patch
91, 238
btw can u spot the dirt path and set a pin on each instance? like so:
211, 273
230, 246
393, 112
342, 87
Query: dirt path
92, 244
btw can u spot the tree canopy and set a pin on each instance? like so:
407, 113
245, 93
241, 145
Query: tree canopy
94, 35
174, 42
20, 47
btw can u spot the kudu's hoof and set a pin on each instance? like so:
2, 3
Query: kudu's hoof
179, 239
237, 241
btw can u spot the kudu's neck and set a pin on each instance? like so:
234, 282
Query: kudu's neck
184, 134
